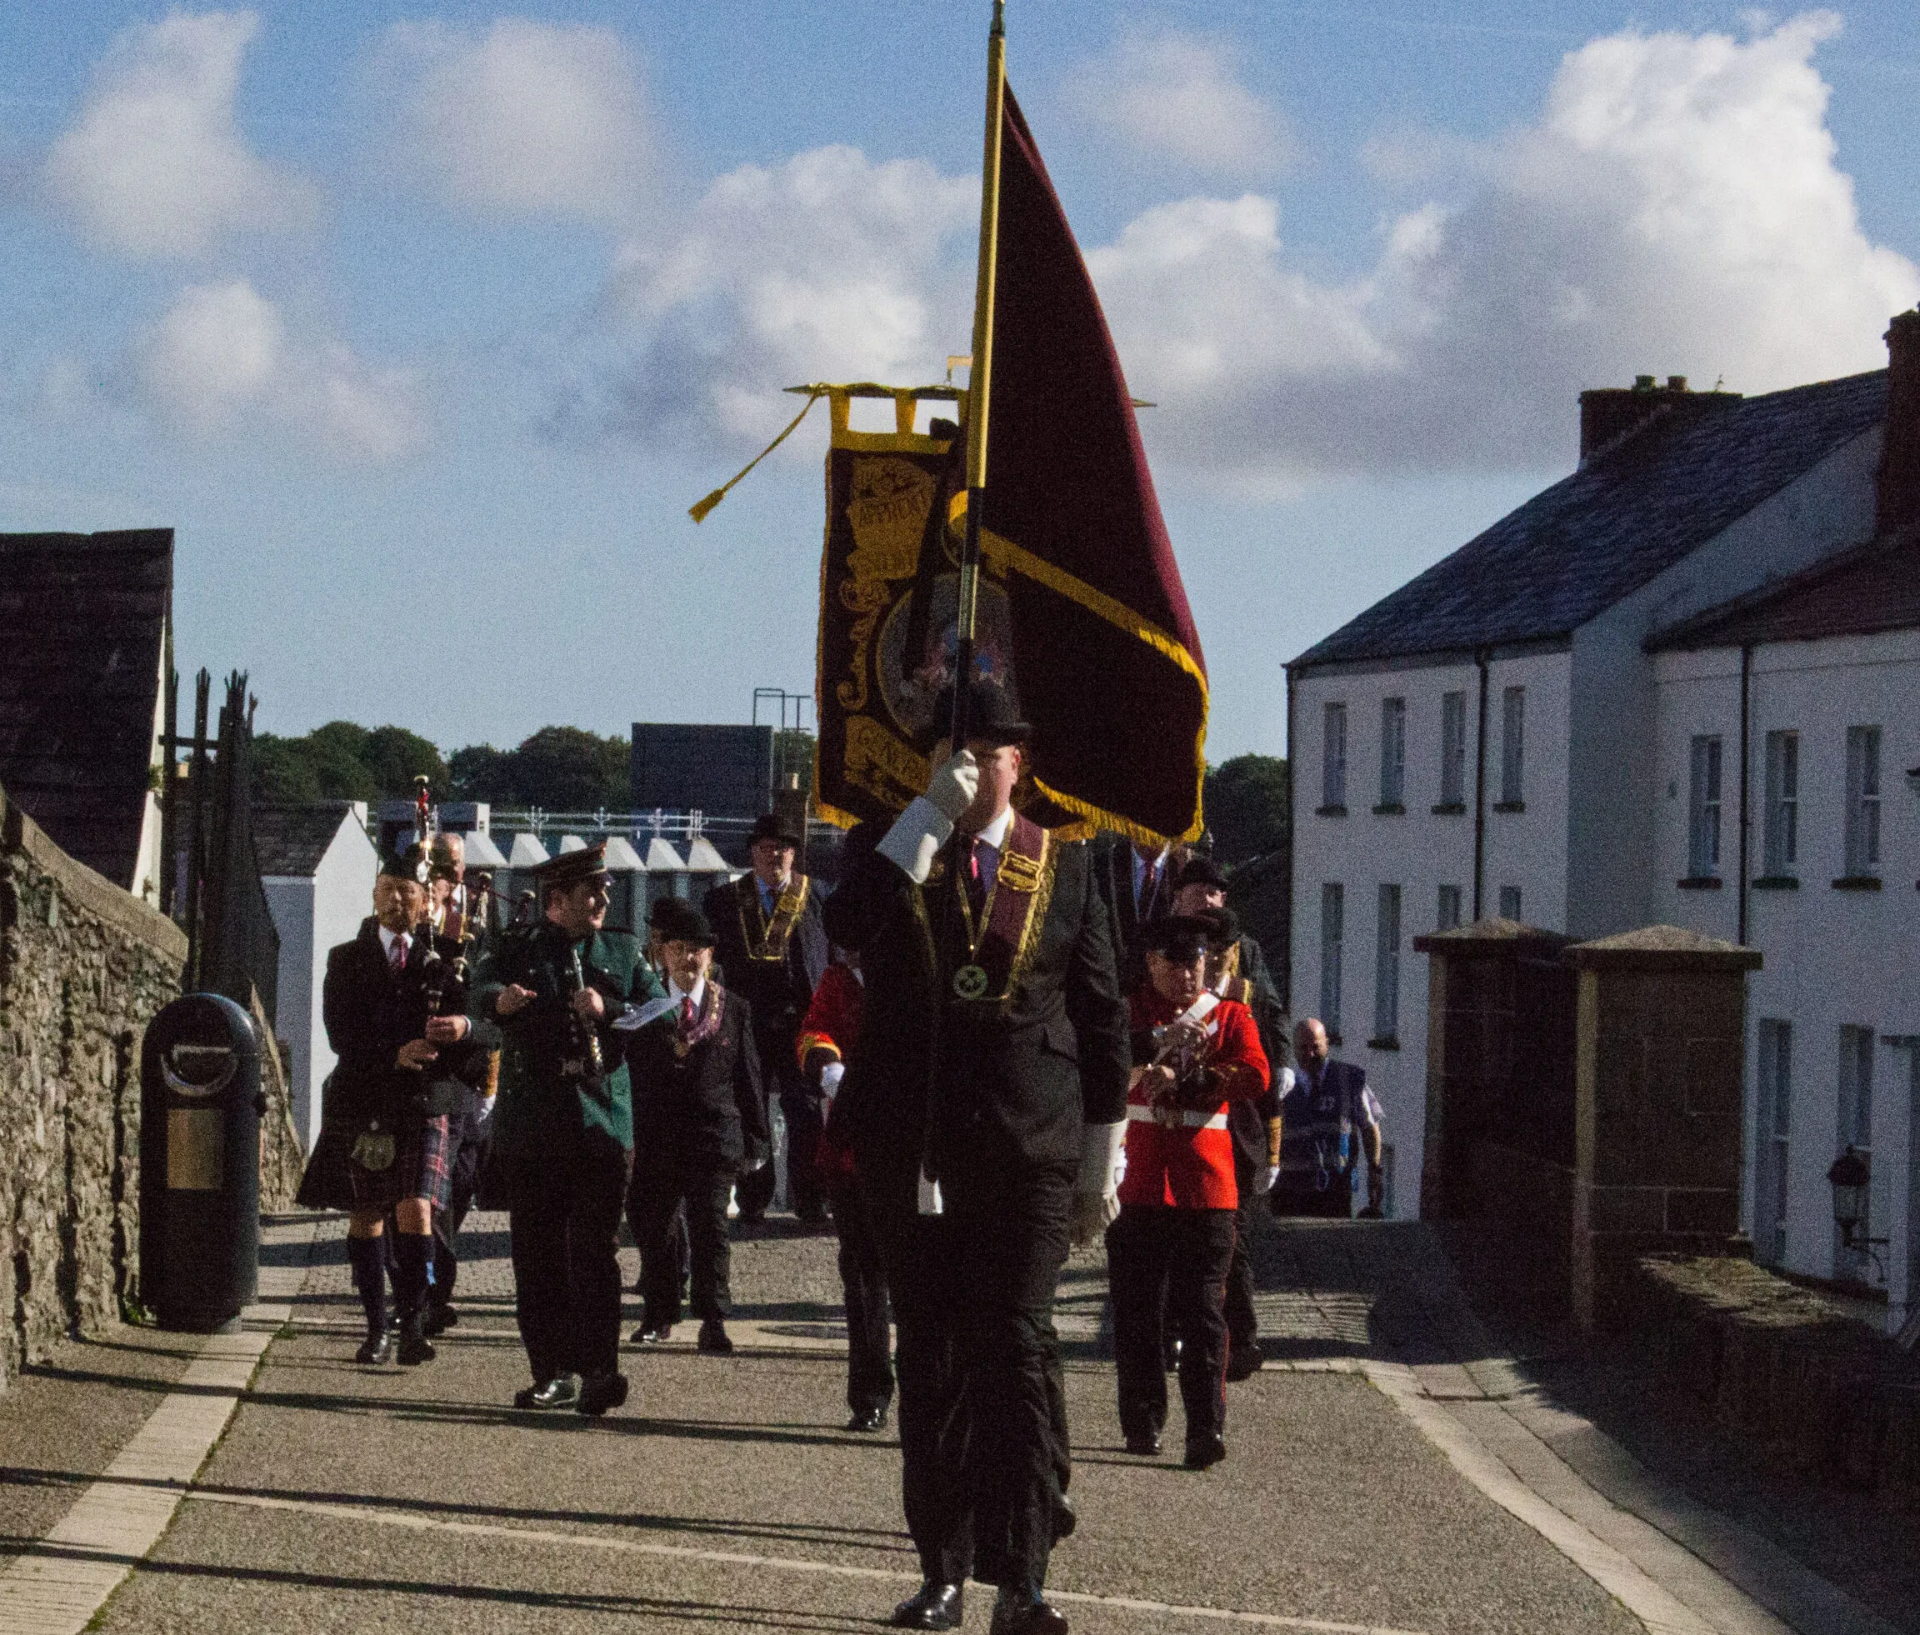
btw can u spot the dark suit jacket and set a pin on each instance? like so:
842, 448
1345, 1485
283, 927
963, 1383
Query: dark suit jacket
1112, 861
1248, 1119
778, 992
370, 1013
1017, 1079
707, 1106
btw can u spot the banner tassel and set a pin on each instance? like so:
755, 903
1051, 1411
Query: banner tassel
700, 511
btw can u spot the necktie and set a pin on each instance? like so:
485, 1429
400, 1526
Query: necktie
397, 955
976, 881
686, 1013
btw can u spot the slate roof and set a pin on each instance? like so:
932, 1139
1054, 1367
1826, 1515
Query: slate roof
292, 839
1876, 587
83, 621
1575, 549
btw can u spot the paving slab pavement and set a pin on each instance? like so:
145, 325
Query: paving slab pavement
725, 1496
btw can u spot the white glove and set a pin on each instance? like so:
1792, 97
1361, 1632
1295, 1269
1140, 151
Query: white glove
830, 1077
922, 829
1096, 1190
1264, 1179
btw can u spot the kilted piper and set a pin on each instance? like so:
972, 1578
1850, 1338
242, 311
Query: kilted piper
395, 1017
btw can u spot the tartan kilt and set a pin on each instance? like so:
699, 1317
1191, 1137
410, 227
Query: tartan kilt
422, 1167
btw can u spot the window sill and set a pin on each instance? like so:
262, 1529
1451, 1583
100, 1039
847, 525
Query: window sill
1333, 1037
1857, 882
1777, 882
1509, 806
1384, 1042
1699, 882
1329, 811
1451, 808
1390, 808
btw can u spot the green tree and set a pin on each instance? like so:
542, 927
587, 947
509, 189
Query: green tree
565, 769
283, 770
1246, 806
481, 772
394, 757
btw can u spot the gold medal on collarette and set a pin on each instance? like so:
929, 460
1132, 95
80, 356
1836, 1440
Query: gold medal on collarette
970, 982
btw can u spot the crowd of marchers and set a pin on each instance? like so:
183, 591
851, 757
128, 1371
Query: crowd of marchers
987, 1045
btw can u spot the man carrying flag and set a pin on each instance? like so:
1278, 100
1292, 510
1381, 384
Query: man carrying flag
987, 1102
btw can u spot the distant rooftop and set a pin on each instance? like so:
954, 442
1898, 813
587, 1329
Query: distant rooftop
291, 840
83, 621
1577, 548
1876, 587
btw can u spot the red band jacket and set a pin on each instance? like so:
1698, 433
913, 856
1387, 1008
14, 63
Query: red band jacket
1183, 1159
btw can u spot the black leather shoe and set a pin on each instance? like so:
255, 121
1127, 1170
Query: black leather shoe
440, 1319
1146, 1444
1025, 1612
869, 1419
1244, 1361
563, 1392
714, 1340
415, 1347
599, 1392
375, 1350
935, 1606
1171, 1351
1203, 1451
653, 1334
1065, 1518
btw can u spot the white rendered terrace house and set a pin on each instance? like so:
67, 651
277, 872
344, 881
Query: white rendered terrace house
1788, 820
1479, 744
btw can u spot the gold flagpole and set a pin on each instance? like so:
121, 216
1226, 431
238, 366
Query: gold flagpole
980, 375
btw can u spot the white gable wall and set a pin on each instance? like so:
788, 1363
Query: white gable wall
1833, 958
1612, 875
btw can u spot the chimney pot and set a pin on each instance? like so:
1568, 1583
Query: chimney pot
1897, 485
1643, 383
1676, 383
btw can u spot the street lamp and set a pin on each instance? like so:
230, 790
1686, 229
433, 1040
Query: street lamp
1848, 1178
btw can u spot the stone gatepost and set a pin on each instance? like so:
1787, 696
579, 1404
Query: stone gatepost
1661, 1020
1483, 1010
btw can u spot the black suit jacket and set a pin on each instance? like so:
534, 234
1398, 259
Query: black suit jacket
370, 1012
1017, 1079
707, 1106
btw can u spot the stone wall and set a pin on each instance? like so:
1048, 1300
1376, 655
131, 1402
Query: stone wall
1783, 1369
83, 968
282, 1158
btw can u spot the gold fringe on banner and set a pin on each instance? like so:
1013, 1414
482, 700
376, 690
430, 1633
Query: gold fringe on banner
700, 511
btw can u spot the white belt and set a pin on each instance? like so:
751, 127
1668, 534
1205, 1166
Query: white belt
1189, 1119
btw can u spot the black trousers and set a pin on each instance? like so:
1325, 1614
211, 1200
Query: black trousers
863, 1282
1173, 1260
1243, 1326
1336, 1203
472, 1137
800, 1107
921, 1257
566, 1268
666, 1180
1011, 1221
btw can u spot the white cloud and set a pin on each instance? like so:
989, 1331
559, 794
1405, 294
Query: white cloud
1177, 96
223, 361
1676, 208
155, 166
830, 267
527, 119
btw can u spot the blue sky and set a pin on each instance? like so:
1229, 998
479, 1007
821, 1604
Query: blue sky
424, 326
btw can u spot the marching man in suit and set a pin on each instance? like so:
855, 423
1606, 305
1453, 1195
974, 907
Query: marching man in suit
772, 952
990, 961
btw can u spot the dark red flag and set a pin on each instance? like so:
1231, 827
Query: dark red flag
1106, 662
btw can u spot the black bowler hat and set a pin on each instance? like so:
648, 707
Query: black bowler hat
565, 869
1182, 938
673, 919
408, 863
1200, 871
1223, 930
771, 826
991, 717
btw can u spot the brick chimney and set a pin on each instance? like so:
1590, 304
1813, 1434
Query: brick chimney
1897, 485
1613, 415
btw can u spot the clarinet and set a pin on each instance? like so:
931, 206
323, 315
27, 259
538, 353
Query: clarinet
585, 1037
